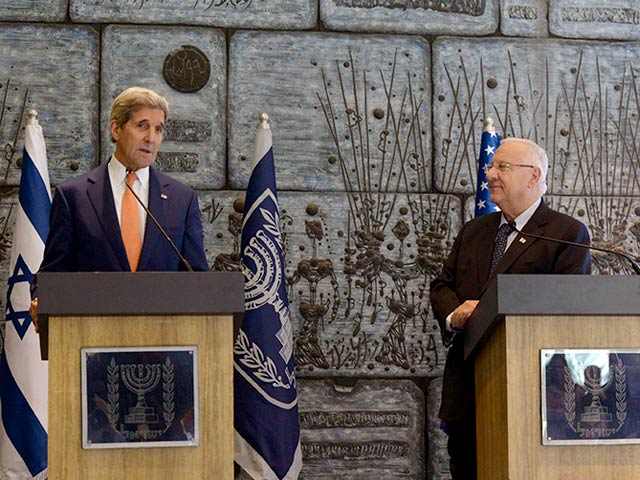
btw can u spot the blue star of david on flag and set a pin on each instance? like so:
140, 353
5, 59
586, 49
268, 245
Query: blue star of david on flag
267, 429
23, 374
19, 280
488, 145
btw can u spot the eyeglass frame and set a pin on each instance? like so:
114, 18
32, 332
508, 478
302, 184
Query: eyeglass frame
506, 166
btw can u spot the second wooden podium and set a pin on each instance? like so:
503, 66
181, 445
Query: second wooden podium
128, 311
521, 318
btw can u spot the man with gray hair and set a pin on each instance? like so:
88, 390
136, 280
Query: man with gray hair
96, 222
486, 246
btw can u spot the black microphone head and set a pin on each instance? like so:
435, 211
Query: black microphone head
512, 225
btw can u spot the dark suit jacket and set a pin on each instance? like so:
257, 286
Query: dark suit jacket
85, 234
465, 275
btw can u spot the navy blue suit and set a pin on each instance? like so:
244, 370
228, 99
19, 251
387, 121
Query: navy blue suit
85, 233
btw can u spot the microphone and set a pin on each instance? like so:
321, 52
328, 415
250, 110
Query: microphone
633, 263
184, 261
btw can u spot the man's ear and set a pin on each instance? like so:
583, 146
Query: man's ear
535, 178
115, 129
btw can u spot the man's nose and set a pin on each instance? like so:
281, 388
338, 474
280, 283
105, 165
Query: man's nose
152, 136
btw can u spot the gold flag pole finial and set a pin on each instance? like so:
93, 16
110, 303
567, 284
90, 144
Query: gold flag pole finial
487, 125
263, 122
33, 118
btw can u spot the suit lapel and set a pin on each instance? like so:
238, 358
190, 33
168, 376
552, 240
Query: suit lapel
101, 197
158, 204
521, 243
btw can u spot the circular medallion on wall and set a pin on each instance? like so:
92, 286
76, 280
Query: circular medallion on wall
186, 69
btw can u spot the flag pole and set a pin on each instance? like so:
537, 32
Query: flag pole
263, 122
33, 117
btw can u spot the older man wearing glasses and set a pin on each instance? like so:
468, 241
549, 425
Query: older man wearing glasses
486, 246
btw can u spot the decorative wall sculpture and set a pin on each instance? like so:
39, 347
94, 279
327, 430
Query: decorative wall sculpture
376, 137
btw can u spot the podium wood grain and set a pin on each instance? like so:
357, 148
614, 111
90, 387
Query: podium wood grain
508, 404
213, 458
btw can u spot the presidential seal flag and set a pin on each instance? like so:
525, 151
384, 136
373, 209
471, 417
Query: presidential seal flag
267, 428
23, 375
489, 143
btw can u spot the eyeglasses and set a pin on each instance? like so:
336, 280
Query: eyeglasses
505, 167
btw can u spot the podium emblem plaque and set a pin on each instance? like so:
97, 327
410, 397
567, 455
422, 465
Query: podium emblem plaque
590, 396
139, 397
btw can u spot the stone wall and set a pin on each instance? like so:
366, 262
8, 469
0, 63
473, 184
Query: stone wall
376, 108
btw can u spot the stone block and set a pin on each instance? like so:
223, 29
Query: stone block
576, 99
424, 17
348, 112
165, 59
373, 429
524, 18
33, 10
275, 14
358, 297
54, 70
610, 20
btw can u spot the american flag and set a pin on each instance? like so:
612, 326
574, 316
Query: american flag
488, 146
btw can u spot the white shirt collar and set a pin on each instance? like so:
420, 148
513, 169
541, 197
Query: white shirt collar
118, 171
522, 219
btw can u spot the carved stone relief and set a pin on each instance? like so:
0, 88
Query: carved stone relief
347, 112
448, 17
358, 268
612, 20
576, 99
374, 429
55, 71
524, 18
193, 150
270, 14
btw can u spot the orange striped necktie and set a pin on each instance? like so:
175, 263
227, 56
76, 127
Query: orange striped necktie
130, 227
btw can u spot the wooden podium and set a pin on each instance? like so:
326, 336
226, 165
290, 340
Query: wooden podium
78, 310
518, 316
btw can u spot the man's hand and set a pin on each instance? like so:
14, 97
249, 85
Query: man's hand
461, 314
33, 311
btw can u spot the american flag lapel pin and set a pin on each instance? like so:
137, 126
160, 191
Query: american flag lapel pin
163, 196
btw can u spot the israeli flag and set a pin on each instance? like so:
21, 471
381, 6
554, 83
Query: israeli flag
267, 428
489, 143
23, 375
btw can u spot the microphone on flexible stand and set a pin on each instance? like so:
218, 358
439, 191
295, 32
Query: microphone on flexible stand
633, 263
184, 261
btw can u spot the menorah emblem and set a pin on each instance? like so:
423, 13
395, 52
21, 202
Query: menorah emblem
141, 379
595, 412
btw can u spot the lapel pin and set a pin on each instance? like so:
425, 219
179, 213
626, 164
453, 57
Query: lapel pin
522, 240
163, 196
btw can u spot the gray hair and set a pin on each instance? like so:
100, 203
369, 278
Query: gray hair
133, 99
539, 155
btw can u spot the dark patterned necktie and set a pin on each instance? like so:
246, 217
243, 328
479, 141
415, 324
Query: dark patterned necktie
500, 246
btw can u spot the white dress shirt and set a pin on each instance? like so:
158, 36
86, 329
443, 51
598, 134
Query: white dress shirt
117, 178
